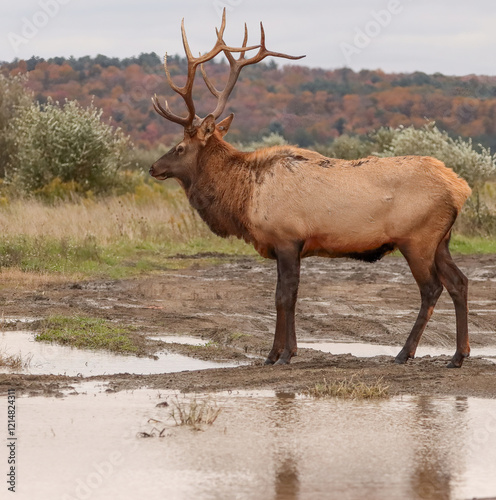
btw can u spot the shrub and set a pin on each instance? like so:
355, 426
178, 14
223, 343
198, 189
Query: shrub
347, 147
62, 144
13, 96
476, 167
273, 139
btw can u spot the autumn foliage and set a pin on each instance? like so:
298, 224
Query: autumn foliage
306, 106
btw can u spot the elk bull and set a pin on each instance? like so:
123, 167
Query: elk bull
292, 203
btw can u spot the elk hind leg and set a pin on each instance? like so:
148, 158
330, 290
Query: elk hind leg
425, 273
457, 285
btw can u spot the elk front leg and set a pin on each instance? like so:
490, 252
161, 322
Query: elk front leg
288, 278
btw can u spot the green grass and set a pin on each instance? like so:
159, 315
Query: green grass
125, 258
91, 333
120, 259
467, 245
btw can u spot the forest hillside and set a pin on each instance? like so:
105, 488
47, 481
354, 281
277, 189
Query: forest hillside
307, 106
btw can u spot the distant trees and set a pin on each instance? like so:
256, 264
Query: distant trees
307, 105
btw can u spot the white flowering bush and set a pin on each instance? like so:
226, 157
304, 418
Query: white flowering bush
66, 145
476, 167
13, 96
273, 139
347, 147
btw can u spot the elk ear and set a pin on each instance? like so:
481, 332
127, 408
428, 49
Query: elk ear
206, 128
223, 126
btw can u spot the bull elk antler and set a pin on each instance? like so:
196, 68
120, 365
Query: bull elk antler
186, 92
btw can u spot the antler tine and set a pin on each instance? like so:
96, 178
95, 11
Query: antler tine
187, 50
245, 41
186, 91
230, 58
159, 109
263, 52
220, 33
209, 83
172, 85
237, 65
166, 112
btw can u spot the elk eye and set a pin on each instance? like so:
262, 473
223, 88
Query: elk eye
180, 149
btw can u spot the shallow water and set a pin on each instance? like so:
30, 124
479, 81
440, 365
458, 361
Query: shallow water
262, 446
179, 339
56, 359
368, 350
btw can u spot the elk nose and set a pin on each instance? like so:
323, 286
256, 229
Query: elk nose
151, 171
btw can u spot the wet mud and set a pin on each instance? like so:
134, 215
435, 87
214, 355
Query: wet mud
229, 307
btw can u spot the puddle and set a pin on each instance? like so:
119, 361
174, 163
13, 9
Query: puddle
369, 350
63, 360
262, 446
179, 339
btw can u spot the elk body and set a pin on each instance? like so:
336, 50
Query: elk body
292, 203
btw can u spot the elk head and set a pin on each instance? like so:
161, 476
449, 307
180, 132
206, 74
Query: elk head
181, 161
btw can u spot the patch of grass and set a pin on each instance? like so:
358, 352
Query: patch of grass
233, 337
118, 259
91, 333
467, 245
113, 237
351, 388
15, 361
194, 413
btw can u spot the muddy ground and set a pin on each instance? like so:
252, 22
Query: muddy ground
230, 302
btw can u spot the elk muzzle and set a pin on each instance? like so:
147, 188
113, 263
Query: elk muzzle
158, 172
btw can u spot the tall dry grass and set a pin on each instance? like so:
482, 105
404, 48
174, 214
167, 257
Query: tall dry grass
119, 236
144, 216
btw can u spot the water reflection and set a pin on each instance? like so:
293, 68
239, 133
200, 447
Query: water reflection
400, 448
438, 460
285, 417
263, 446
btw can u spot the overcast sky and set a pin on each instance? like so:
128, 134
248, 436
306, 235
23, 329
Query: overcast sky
455, 37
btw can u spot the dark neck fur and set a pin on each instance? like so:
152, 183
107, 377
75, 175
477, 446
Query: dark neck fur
222, 189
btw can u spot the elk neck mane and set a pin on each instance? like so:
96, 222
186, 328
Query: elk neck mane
225, 181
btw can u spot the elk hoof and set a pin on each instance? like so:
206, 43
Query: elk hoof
451, 364
457, 360
282, 361
402, 357
268, 361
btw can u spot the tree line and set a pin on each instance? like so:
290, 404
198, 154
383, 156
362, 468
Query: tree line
308, 106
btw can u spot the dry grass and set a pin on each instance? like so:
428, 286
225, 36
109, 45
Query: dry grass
194, 413
117, 237
15, 361
13, 278
351, 388
145, 216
